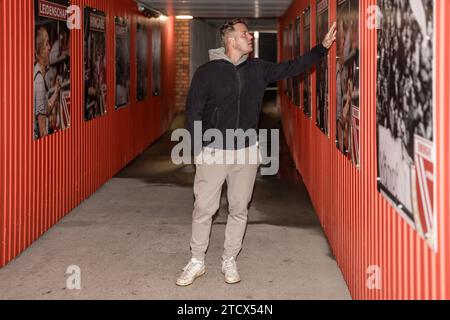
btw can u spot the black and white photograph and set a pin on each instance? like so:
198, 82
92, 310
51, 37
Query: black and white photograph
290, 51
347, 79
94, 63
122, 37
51, 68
156, 59
142, 61
306, 76
322, 69
285, 57
405, 111
296, 96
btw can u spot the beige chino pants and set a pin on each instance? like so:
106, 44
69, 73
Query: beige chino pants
209, 178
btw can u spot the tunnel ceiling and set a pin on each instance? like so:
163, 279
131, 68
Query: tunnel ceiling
254, 24
221, 8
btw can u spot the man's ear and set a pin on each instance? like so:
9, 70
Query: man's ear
233, 41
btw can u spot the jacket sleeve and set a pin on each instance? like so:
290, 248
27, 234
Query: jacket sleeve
291, 68
195, 103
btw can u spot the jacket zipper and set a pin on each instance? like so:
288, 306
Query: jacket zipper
216, 117
239, 98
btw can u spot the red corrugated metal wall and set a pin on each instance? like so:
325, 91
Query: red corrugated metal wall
43, 180
362, 228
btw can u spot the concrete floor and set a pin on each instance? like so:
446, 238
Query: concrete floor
131, 238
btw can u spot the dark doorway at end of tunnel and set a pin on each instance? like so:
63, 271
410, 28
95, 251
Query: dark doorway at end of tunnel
268, 50
268, 46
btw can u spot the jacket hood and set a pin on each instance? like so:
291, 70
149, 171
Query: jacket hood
219, 54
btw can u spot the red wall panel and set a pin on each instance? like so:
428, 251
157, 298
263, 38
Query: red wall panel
362, 228
43, 180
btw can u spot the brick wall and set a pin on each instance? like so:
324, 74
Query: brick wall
182, 49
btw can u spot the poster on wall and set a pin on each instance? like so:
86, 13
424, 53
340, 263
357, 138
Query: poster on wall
122, 28
296, 80
156, 54
94, 63
306, 76
347, 79
285, 56
322, 69
51, 68
405, 111
142, 61
289, 57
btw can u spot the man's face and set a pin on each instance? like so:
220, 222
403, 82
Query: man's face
243, 40
44, 55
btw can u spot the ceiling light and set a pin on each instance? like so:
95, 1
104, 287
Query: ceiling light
184, 17
148, 11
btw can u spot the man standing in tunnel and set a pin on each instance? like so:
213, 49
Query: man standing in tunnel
226, 93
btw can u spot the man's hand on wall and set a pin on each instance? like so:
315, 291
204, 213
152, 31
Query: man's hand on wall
330, 37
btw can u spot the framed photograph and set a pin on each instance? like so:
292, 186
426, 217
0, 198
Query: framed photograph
142, 61
122, 37
306, 76
94, 63
296, 94
51, 68
156, 62
347, 79
285, 56
322, 27
289, 56
406, 112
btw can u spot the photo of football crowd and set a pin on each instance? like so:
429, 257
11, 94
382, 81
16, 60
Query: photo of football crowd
405, 109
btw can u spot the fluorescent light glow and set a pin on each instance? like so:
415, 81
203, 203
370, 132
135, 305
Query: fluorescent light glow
184, 17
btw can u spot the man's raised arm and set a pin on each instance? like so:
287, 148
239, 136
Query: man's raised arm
291, 68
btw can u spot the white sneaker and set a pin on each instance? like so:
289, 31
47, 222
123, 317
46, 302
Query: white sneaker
229, 269
193, 270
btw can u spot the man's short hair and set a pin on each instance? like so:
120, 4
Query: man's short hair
228, 27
